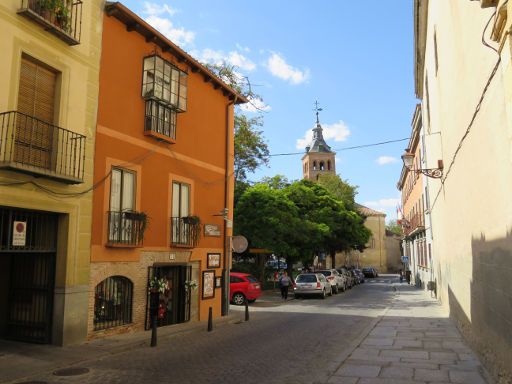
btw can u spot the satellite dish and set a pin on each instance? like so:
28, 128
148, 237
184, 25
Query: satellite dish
239, 244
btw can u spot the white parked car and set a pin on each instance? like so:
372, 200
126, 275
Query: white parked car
307, 284
335, 278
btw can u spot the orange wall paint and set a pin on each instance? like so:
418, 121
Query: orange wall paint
198, 157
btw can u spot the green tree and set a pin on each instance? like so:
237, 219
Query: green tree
275, 182
251, 150
339, 188
394, 227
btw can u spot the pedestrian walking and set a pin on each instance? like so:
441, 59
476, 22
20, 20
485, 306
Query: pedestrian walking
401, 276
284, 283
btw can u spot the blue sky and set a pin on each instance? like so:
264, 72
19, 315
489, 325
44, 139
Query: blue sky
354, 57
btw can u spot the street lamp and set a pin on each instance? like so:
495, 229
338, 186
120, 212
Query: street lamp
435, 173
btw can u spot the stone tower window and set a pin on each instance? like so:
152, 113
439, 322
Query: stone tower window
322, 166
314, 165
328, 165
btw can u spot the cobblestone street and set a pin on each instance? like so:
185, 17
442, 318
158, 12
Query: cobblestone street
373, 333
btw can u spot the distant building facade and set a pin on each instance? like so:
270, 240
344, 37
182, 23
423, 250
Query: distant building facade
320, 159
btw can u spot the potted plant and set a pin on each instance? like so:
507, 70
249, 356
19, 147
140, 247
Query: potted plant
192, 220
62, 15
141, 220
158, 285
190, 285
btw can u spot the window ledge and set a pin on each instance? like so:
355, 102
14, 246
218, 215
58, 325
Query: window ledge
121, 245
160, 137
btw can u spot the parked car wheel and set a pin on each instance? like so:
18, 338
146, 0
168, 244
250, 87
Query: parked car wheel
322, 295
238, 298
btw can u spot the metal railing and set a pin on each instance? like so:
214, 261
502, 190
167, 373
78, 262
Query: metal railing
416, 222
160, 119
35, 146
63, 18
184, 234
126, 228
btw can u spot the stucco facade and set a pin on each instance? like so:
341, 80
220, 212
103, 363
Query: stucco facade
466, 88
154, 175
46, 183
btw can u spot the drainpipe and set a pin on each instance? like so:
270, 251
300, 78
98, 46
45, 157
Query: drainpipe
227, 239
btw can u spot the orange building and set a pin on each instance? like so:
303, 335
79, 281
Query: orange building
163, 172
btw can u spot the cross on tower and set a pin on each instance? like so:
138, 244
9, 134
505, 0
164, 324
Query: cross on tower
317, 109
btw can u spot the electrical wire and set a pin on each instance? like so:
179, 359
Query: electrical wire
136, 160
346, 148
468, 129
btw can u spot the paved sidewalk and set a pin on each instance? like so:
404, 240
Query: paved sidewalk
414, 342
20, 361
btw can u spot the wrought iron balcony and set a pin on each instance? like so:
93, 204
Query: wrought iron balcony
63, 18
416, 224
184, 233
34, 146
126, 228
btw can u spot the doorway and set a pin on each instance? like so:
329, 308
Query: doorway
174, 303
27, 274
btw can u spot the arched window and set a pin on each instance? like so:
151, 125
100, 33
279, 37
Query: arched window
328, 165
322, 166
113, 302
314, 165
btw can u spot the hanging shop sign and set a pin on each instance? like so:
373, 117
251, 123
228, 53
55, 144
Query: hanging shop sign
19, 233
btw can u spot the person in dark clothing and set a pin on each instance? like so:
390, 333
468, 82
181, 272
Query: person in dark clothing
284, 283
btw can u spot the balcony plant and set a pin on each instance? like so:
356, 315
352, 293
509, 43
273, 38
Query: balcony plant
142, 220
192, 220
54, 11
158, 285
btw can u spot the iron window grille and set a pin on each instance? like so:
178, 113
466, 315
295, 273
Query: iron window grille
164, 82
160, 119
35, 146
113, 302
63, 18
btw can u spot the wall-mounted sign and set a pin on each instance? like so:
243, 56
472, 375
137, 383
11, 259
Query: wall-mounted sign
212, 230
19, 233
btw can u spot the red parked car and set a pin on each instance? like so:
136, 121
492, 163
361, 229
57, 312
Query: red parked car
243, 286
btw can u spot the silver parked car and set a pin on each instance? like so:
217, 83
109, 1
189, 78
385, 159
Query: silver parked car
337, 281
312, 284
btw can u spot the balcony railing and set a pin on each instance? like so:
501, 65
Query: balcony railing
34, 146
63, 18
415, 224
184, 234
126, 228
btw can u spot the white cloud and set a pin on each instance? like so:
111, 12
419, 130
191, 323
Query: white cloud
388, 206
278, 67
382, 160
384, 203
337, 132
158, 17
235, 58
157, 9
255, 105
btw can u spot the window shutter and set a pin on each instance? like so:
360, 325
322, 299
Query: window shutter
36, 99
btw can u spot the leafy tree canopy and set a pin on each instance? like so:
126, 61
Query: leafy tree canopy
339, 188
394, 227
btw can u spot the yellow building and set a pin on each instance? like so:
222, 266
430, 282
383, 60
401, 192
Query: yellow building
463, 76
48, 100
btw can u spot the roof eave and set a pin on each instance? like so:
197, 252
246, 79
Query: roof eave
134, 23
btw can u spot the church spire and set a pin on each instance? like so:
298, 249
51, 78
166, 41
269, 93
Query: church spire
318, 144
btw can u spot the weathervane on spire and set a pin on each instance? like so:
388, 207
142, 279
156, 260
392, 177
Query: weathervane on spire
317, 109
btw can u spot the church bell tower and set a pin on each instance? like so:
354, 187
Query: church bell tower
319, 158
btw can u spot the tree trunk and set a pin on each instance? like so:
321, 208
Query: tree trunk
333, 258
